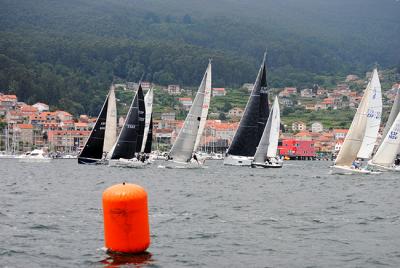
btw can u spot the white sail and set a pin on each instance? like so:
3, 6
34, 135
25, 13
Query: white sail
393, 114
148, 101
274, 135
390, 146
355, 135
110, 135
183, 147
269, 139
206, 104
374, 113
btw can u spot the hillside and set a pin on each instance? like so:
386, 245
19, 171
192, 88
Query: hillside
67, 53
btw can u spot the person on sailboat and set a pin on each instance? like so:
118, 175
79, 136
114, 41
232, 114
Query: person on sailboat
356, 164
195, 158
397, 161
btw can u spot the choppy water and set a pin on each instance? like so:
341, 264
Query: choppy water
298, 216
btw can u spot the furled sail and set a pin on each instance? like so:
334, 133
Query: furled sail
93, 149
110, 135
206, 82
355, 135
374, 113
269, 141
183, 147
125, 146
255, 116
387, 152
148, 100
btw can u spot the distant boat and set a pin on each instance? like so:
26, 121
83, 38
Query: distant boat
103, 134
37, 156
362, 135
387, 156
129, 142
251, 127
266, 153
182, 151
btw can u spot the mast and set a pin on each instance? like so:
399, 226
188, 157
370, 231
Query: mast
390, 146
255, 116
269, 140
110, 134
93, 148
148, 100
206, 104
353, 141
374, 113
125, 147
183, 147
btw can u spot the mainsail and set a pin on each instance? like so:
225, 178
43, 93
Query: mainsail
269, 141
255, 116
110, 135
93, 149
393, 114
126, 145
390, 146
148, 101
374, 113
183, 147
355, 135
149, 140
206, 82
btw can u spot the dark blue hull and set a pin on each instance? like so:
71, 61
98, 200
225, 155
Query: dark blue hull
87, 161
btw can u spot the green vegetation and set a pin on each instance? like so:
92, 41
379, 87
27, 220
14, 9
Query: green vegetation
67, 53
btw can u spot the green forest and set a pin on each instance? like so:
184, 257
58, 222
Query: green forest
67, 53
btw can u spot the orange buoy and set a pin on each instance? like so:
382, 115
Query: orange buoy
126, 219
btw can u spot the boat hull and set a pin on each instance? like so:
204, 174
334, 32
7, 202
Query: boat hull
87, 161
128, 163
234, 160
383, 168
267, 165
344, 170
180, 165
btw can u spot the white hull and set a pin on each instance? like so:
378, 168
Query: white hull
180, 165
235, 160
34, 160
344, 170
277, 164
383, 168
128, 163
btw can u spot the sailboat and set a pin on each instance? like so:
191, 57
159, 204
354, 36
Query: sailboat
387, 155
182, 152
103, 134
129, 143
266, 153
141, 157
251, 126
362, 135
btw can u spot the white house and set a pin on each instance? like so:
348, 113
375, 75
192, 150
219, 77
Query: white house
317, 127
236, 112
174, 89
299, 126
186, 102
42, 107
218, 92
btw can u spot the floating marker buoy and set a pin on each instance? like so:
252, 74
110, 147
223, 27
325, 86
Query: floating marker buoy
126, 220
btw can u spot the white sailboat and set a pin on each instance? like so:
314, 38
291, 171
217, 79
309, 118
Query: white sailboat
361, 137
386, 157
35, 156
182, 152
266, 154
251, 127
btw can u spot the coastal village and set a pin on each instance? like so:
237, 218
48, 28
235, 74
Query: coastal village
27, 126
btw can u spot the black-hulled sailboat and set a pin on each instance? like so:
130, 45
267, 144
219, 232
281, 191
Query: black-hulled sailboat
103, 134
247, 137
125, 152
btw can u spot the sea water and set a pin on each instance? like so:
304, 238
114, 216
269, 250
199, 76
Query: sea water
222, 216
